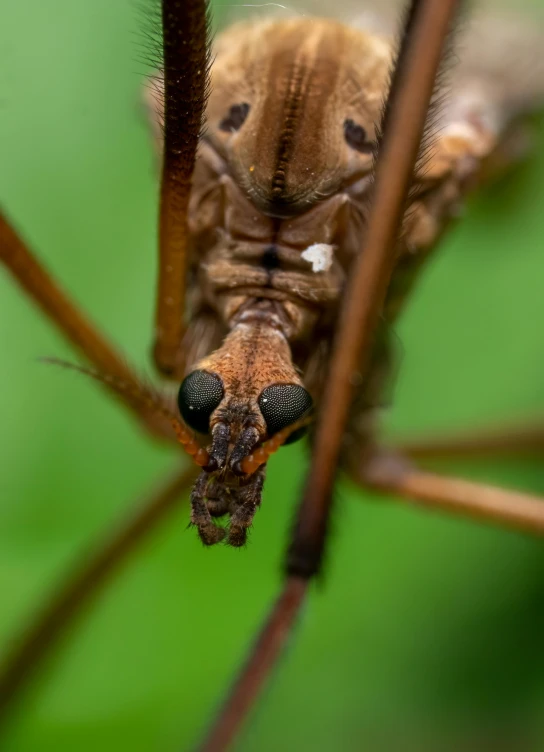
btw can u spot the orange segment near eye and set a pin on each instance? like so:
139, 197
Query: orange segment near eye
190, 444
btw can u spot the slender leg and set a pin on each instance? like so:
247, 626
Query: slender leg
510, 509
412, 85
32, 277
186, 62
403, 127
75, 593
262, 659
524, 439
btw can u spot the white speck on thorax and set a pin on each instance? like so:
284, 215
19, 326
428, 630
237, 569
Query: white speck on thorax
319, 255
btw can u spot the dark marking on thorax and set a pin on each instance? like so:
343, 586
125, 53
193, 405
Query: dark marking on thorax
293, 104
270, 259
291, 138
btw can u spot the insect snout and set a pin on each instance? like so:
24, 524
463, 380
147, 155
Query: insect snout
213, 498
248, 398
238, 424
224, 487
234, 437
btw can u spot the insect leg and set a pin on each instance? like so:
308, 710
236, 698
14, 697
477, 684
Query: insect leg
522, 440
44, 632
33, 278
510, 509
425, 30
186, 62
260, 663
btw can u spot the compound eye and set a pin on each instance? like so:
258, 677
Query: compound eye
235, 118
283, 404
199, 394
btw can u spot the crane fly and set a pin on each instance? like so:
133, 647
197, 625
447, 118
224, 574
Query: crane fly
309, 167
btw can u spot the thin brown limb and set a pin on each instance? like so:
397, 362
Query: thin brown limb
412, 86
519, 440
427, 26
263, 658
75, 593
33, 278
186, 62
490, 504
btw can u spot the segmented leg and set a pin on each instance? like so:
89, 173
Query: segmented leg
262, 659
44, 632
510, 509
33, 278
522, 440
186, 60
425, 29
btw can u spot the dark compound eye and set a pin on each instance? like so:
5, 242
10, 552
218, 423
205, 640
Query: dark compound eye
357, 138
282, 405
235, 118
199, 394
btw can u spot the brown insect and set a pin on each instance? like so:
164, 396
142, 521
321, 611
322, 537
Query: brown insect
293, 201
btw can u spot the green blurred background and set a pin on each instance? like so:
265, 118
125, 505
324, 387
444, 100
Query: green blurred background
426, 633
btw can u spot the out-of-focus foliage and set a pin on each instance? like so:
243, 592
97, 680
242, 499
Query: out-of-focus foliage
426, 631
